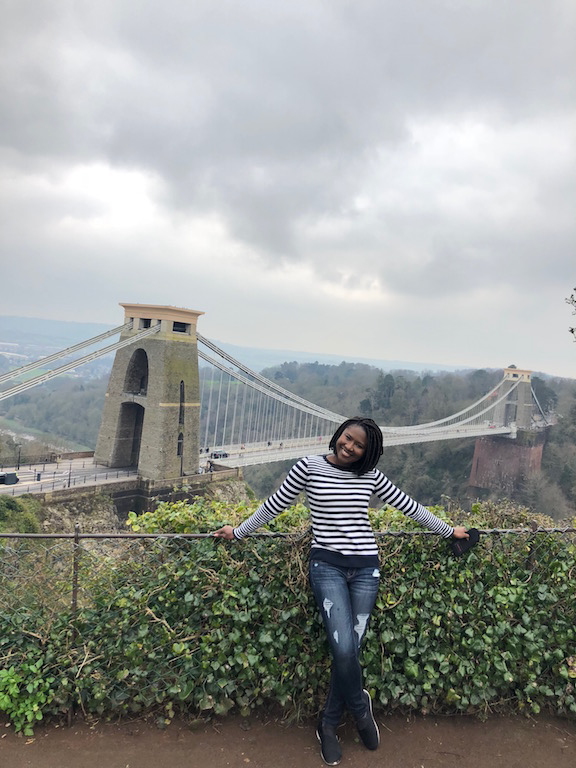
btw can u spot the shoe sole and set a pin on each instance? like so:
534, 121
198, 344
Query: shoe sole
372, 716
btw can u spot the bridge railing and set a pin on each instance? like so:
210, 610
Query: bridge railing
48, 481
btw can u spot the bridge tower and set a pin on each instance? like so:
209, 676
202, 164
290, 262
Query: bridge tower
151, 413
517, 409
501, 463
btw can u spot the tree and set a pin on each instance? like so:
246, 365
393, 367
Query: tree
366, 407
545, 395
572, 302
383, 391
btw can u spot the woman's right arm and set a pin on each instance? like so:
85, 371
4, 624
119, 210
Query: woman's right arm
275, 504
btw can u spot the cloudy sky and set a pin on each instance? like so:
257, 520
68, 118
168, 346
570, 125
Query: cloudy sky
389, 179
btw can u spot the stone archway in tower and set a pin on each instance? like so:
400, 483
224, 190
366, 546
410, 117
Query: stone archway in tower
136, 381
129, 436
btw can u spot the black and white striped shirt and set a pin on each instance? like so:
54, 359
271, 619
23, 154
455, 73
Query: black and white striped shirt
338, 500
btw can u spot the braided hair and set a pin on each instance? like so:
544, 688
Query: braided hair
374, 444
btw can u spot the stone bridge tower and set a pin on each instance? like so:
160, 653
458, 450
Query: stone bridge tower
518, 407
151, 413
503, 463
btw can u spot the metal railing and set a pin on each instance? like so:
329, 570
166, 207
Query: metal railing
148, 595
28, 556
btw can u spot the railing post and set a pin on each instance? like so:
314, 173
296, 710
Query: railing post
74, 603
75, 562
531, 548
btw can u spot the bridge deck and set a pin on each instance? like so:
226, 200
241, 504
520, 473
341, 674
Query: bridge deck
262, 453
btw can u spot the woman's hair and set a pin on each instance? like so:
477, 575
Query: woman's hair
374, 444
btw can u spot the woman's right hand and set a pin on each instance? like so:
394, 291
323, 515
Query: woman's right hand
226, 532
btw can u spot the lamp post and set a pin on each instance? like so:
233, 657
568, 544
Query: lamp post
19, 454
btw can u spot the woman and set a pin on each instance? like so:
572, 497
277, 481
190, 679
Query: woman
344, 564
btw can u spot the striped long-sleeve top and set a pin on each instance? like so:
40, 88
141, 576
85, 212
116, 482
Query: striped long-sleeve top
338, 500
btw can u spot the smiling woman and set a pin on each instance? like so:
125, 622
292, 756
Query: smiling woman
349, 447
344, 564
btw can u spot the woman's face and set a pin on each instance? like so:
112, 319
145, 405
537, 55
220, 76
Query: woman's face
350, 446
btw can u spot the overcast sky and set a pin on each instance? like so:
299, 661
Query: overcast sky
389, 179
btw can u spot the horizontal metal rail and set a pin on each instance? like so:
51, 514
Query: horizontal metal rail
483, 531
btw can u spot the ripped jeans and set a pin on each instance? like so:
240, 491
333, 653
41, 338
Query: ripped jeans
345, 597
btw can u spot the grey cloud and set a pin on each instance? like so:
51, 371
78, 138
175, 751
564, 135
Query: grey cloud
260, 80
274, 115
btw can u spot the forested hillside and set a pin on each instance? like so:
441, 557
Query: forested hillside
69, 410
433, 471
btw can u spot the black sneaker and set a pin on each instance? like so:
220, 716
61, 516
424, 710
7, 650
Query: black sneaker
329, 744
367, 728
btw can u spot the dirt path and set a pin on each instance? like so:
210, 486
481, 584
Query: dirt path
236, 743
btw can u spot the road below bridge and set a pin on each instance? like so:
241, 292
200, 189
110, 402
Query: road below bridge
45, 477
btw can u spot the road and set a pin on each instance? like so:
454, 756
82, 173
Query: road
68, 473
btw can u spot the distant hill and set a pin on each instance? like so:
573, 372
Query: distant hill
39, 332
36, 337
257, 359
25, 339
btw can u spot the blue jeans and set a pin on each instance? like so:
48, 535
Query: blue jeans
345, 597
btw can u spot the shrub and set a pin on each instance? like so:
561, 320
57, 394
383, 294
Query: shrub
25, 691
19, 515
172, 625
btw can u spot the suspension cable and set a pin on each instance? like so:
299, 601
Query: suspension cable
63, 353
76, 363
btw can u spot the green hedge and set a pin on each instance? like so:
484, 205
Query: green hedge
176, 626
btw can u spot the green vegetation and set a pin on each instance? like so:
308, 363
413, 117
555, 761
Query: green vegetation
205, 627
24, 693
433, 471
67, 409
36, 443
21, 514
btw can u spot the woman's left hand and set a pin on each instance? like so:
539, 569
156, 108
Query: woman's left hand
460, 532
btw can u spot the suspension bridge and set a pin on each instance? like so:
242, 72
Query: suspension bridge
293, 427
207, 406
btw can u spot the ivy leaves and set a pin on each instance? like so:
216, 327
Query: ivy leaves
208, 627
25, 692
